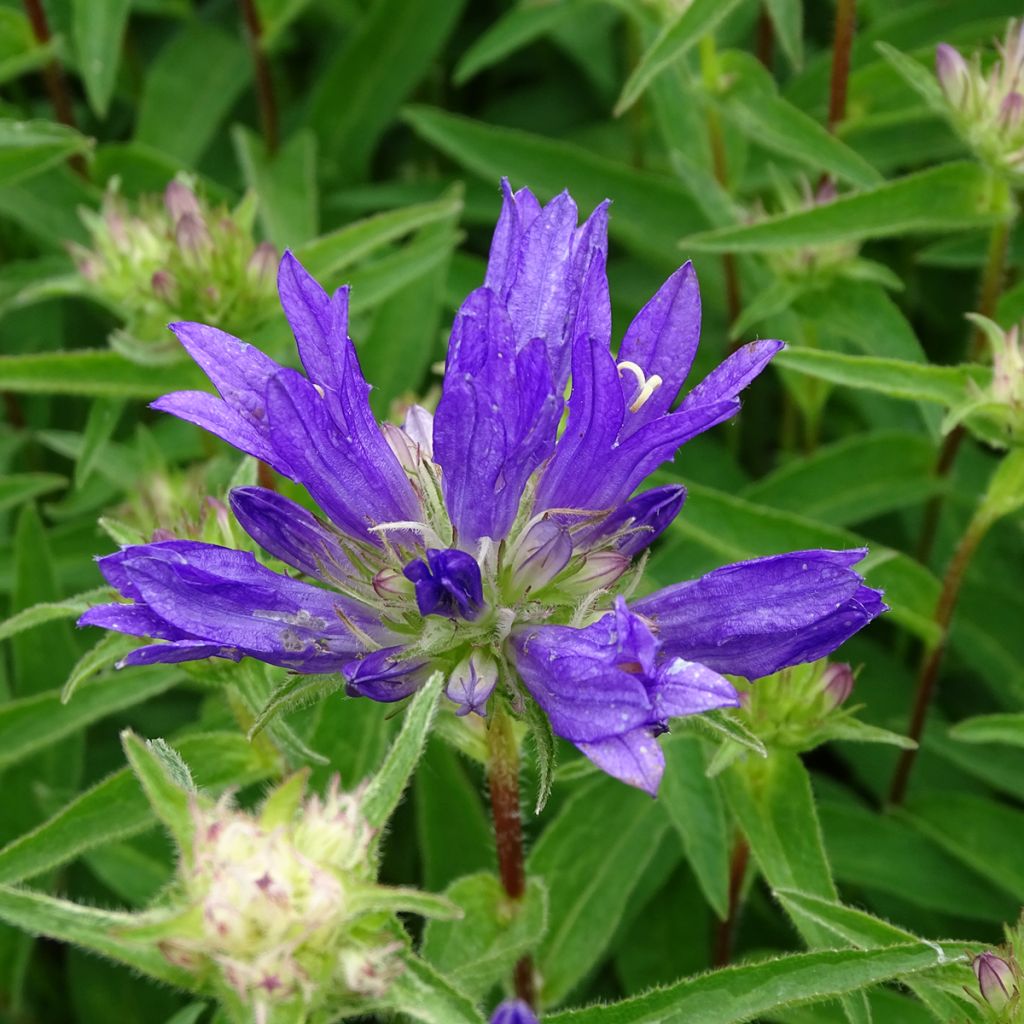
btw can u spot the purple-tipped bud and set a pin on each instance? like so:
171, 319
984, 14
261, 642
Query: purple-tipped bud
472, 683
191, 234
165, 287
514, 1011
180, 201
953, 73
836, 685
544, 552
262, 265
392, 586
995, 979
1011, 111
598, 571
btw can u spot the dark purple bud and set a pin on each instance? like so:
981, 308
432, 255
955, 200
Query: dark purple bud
180, 201
165, 287
514, 1011
191, 234
262, 266
544, 552
995, 979
953, 73
383, 676
448, 583
836, 685
472, 683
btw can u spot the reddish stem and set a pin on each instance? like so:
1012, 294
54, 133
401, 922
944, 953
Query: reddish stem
503, 783
725, 933
846, 18
765, 40
261, 69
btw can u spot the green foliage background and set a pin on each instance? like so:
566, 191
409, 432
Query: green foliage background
395, 120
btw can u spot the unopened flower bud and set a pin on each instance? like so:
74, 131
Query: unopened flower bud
953, 73
333, 831
995, 979
180, 201
164, 286
836, 685
543, 553
262, 263
191, 234
1011, 111
514, 1011
391, 585
598, 571
370, 972
472, 683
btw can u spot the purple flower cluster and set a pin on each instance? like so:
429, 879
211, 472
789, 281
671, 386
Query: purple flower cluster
488, 541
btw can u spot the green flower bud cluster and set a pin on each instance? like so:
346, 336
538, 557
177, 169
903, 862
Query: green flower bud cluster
986, 106
175, 257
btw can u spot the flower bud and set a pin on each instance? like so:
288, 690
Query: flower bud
836, 685
192, 235
370, 972
391, 585
953, 73
996, 979
472, 683
164, 286
541, 555
180, 201
333, 831
514, 1011
262, 264
598, 572
1011, 111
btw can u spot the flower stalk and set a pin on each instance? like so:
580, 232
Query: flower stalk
846, 18
503, 784
725, 933
261, 70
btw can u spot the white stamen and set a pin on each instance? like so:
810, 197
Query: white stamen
646, 386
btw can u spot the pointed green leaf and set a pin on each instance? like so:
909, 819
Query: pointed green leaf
167, 783
424, 995
18, 488
28, 148
97, 30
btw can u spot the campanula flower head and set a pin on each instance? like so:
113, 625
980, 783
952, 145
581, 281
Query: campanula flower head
497, 540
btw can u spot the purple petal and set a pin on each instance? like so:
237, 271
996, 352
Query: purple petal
518, 212
176, 652
662, 340
447, 584
728, 379
133, 619
496, 420
318, 321
753, 618
384, 676
646, 517
687, 688
289, 532
514, 1011
633, 757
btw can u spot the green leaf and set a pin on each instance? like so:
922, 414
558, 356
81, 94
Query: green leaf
948, 198
99, 428
117, 808
97, 930
36, 722
386, 787
93, 373
424, 995
945, 385
852, 480
479, 950
28, 148
1007, 729
920, 78
97, 30
694, 807
380, 63
19, 488
788, 21
51, 611
167, 783
202, 70
285, 184
738, 994
295, 692
545, 752
330, 254
591, 856
675, 40
394, 899
649, 208
107, 651
1005, 493
516, 28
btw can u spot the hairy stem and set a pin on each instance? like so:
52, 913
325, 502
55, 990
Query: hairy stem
989, 289
53, 77
846, 18
261, 70
725, 933
931, 659
503, 782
